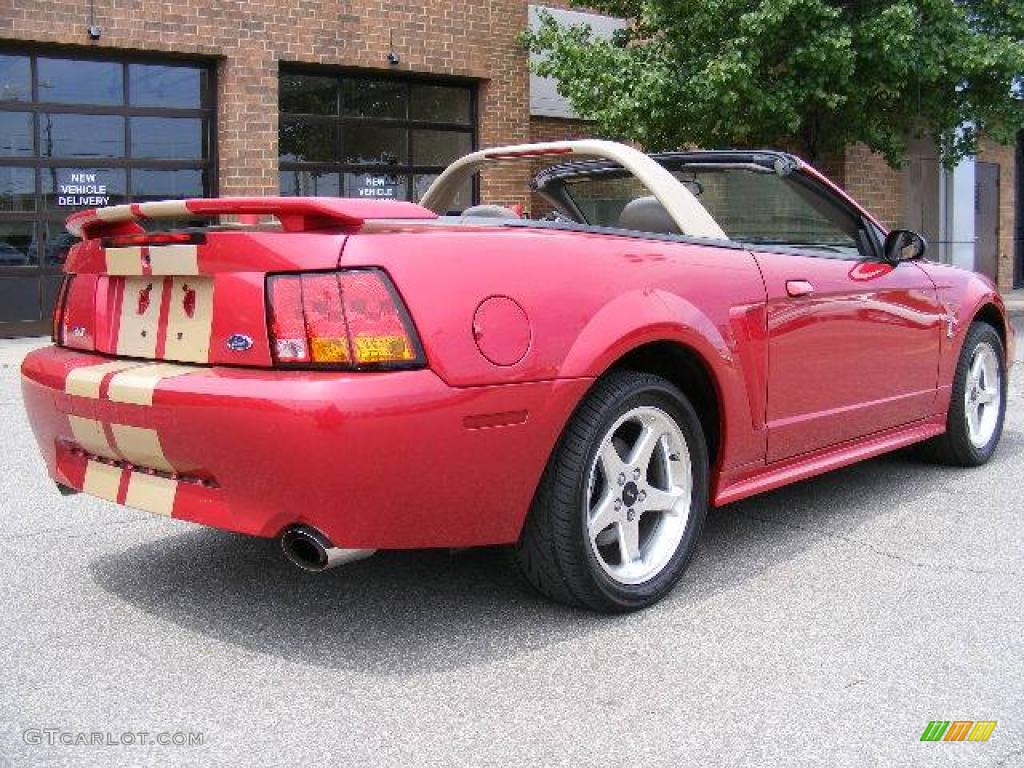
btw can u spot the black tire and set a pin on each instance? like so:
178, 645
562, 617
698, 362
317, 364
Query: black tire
554, 552
955, 447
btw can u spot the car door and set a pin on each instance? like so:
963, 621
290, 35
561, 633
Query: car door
853, 341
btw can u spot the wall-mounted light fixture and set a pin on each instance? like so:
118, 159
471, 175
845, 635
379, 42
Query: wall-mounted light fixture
94, 30
393, 58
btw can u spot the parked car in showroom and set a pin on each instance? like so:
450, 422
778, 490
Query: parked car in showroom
684, 330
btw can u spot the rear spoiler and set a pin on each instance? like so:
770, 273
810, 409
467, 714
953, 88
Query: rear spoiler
296, 214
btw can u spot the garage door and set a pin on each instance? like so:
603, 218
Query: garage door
80, 131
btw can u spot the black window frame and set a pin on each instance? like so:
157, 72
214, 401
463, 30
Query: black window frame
43, 216
408, 169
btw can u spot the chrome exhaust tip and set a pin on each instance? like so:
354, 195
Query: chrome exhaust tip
312, 551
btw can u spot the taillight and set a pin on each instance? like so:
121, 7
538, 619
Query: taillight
57, 327
325, 319
350, 319
155, 238
287, 326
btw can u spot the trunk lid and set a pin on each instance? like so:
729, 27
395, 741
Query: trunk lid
198, 295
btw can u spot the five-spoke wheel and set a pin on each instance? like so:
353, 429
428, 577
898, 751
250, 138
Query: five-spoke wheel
983, 394
620, 507
974, 422
638, 499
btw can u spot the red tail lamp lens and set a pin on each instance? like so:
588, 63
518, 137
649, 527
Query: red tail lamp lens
325, 319
57, 327
155, 238
352, 318
287, 325
376, 325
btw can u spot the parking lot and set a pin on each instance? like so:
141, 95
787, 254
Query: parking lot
822, 624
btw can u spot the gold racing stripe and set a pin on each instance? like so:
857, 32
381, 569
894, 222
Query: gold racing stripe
164, 208
102, 480
174, 259
115, 213
151, 493
124, 261
136, 385
86, 381
140, 446
188, 338
91, 437
140, 316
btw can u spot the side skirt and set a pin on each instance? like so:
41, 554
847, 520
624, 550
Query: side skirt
817, 463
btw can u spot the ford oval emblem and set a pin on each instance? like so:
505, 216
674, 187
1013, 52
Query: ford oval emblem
239, 342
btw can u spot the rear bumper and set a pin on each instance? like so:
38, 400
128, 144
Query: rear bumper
380, 460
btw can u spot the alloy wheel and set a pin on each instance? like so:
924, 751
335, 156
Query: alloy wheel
982, 395
639, 495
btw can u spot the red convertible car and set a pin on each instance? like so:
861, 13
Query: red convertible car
681, 330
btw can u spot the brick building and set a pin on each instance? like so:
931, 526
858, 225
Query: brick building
149, 99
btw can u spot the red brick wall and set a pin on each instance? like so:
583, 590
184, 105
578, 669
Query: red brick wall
248, 40
872, 183
553, 129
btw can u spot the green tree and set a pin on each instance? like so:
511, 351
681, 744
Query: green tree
817, 74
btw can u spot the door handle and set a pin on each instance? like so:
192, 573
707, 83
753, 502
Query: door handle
799, 288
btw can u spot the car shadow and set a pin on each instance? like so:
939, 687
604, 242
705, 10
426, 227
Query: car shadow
424, 611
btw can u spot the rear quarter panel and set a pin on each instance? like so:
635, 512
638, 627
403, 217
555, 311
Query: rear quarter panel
590, 298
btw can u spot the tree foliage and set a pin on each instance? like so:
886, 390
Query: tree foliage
820, 74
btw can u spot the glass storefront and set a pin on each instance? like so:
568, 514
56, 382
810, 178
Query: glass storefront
355, 135
77, 132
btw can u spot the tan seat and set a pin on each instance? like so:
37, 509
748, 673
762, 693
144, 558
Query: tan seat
646, 214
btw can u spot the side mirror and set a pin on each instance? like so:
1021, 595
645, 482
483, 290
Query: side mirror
904, 245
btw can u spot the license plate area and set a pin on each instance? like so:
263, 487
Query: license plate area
161, 317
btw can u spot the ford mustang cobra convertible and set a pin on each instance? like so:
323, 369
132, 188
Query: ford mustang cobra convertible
679, 331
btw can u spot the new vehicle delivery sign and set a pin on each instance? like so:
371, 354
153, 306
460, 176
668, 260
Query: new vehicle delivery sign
380, 186
82, 190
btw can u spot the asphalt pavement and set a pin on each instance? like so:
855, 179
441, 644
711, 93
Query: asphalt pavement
822, 624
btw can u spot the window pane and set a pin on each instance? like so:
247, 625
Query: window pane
173, 138
463, 198
374, 98
307, 141
772, 210
81, 135
374, 145
15, 134
166, 185
441, 104
17, 189
439, 147
310, 184
15, 78
80, 81
70, 189
57, 241
380, 186
155, 85
307, 94
601, 200
17, 243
